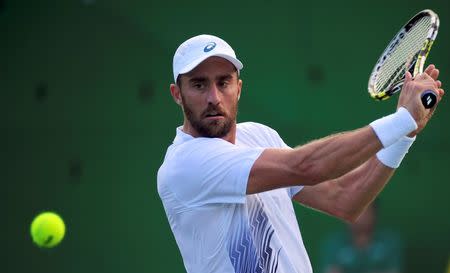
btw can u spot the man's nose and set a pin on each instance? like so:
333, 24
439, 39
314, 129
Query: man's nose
214, 95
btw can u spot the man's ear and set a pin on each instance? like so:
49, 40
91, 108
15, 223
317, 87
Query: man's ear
239, 88
175, 91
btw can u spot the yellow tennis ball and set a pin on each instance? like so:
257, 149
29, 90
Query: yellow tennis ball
47, 229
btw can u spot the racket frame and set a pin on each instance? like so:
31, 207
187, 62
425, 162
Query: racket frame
419, 62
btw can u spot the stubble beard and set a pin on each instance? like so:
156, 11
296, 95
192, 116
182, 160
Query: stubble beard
217, 128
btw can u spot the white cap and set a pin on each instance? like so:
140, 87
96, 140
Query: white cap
197, 49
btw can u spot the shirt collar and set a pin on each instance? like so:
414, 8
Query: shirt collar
181, 136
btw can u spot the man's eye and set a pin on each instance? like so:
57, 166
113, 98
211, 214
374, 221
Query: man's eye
223, 84
198, 85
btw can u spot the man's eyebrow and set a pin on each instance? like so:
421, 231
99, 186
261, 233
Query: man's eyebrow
197, 79
225, 77
222, 77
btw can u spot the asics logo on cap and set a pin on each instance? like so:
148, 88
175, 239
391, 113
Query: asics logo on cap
210, 46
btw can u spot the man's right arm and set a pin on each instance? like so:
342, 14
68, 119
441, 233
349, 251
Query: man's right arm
336, 155
314, 162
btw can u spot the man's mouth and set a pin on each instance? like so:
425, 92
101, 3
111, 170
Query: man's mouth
213, 114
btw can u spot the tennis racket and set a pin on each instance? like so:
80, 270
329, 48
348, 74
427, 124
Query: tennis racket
406, 52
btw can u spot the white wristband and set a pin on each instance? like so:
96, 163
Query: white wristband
391, 128
393, 155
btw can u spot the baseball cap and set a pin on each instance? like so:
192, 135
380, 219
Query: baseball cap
197, 49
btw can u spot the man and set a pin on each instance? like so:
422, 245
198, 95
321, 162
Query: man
227, 187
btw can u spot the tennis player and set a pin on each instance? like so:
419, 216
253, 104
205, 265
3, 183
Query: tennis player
227, 188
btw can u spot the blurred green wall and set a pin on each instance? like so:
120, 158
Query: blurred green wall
86, 117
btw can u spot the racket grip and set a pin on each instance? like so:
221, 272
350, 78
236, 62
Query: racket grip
429, 99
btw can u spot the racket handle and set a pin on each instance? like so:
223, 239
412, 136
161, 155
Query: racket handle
429, 99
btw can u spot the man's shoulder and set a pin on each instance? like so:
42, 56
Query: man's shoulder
258, 134
256, 129
196, 147
186, 160
251, 126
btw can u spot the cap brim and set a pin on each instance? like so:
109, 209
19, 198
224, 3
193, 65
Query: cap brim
195, 63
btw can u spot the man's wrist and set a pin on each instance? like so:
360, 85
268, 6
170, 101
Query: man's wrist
391, 128
393, 155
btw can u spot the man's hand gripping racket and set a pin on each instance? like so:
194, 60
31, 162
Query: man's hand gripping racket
412, 95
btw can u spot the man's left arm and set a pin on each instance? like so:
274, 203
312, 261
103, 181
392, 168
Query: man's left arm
346, 197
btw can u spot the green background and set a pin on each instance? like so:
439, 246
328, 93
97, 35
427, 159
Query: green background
86, 117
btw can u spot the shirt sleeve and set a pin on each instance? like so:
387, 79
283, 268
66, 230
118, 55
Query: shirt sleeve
292, 191
212, 171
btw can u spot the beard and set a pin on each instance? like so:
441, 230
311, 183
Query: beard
211, 128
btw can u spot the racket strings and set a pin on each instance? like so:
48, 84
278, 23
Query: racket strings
403, 57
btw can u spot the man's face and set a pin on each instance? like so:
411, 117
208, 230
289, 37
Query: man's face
209, 97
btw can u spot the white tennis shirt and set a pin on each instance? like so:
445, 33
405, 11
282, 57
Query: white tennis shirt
218, 228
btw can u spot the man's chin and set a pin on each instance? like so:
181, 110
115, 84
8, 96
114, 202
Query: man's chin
215, 128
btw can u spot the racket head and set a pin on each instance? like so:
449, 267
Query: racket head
407, 51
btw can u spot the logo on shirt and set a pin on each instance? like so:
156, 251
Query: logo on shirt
210, 46
250, 249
